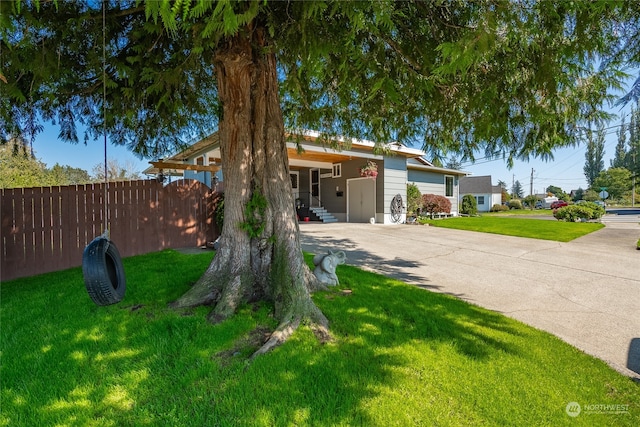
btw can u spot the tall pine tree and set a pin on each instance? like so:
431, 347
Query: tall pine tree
619, 160
594, 155
632, 157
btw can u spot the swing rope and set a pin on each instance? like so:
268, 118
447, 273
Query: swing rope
105, 232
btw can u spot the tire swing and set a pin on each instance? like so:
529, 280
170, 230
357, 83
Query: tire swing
103, 271
101, 263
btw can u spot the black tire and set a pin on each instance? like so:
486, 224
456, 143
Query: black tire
103, 272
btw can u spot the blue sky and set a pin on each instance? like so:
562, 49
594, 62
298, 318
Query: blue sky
565, 171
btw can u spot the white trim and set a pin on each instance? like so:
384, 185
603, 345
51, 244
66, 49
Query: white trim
393, 146
311, 199
320, 149
295, 191
336, 170
453, 186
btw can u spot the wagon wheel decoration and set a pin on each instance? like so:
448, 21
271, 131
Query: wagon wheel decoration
396, 208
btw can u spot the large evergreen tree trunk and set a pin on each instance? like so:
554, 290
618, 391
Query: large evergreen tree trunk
260, 255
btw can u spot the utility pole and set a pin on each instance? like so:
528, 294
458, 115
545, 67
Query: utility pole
531, 184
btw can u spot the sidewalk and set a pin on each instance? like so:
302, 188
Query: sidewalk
586, 292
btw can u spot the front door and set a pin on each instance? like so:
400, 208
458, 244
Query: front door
314, 180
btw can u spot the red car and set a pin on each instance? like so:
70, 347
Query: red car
558, 204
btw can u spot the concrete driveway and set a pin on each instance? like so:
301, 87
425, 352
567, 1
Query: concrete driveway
586, 292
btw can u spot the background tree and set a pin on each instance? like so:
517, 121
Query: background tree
66, 175
579, 194
591, 195
505, 194
115, 171
531, 200
507, 78
617, 181
454, 163
556, 191
517, 190
594, 156
618, 160
18, 169
632, 157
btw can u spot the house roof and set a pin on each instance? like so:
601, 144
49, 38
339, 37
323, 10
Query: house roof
420, 163
302, 147
478, 185
314, 153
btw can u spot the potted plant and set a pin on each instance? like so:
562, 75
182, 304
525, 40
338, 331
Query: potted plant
369, 169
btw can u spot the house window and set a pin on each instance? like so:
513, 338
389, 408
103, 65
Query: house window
336, 171
448, 186
480, 200
294, 180
200, 161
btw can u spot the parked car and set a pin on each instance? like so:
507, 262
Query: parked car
558, 204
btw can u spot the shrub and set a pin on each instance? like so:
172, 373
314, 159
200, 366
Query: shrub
598, 210
573, 213
515, 204
638, 244
414, 199
469, 205
434, 204
499, 208
531, 201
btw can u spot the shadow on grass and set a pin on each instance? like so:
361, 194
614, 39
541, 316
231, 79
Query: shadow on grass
69, 362
376, 328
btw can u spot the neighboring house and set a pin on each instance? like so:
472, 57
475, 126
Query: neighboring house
481, 188
327, 184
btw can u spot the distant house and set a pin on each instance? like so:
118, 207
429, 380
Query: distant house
480, 187
327, 184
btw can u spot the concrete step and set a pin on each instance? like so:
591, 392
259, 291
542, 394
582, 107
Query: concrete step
322, 213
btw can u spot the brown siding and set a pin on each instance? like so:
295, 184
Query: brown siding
47, 228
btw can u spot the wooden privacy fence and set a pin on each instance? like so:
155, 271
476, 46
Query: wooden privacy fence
47, 228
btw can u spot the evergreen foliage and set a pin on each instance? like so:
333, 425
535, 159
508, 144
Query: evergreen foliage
20, 169
455, 77
594, 156
617, 181
517, 190
621, 147
414, 199
469, 205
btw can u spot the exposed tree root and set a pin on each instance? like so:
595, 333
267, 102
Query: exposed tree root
279, 336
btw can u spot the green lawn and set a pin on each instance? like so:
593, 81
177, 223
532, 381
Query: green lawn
520, 212
559, 231
401, 356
